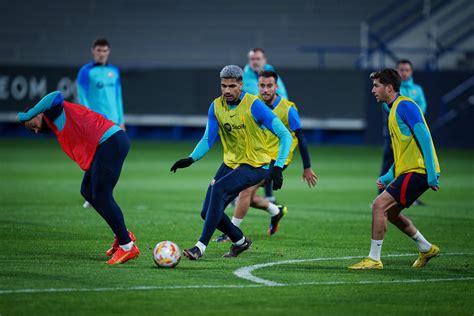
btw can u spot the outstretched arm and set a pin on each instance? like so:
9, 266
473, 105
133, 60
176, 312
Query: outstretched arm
209, 136
204, 144
295, 125
48, 103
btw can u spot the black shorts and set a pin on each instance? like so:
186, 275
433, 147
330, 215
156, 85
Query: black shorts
408, 187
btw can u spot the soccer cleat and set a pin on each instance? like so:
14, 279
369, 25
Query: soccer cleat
192, 253
424, 257
110, 252
366, 264
273, 228
121, 256
222, 238
237, 250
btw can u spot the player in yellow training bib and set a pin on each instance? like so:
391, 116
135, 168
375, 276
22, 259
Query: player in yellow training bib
287, 112
415, 170
240, 119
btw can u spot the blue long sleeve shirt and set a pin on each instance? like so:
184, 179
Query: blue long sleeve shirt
262, 115
99, 89
250, 80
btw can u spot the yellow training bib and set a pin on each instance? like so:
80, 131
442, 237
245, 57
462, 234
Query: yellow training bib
407, 154
244, 142
281, 111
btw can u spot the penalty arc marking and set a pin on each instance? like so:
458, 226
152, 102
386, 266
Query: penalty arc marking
243, 273
246, 272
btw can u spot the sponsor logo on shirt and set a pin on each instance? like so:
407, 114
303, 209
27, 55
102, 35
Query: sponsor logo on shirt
101, 84
229, 127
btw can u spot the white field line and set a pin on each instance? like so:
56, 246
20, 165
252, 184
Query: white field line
244, 273
131, 288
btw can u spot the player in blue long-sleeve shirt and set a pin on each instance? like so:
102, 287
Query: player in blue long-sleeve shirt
99, 87
240, 119
286, 111
98, 84
415, 170
258, 63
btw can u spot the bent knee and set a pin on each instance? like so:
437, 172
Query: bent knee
246, 193
378, 206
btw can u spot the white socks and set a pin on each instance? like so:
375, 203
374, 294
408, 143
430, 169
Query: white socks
237, 221
240, 242
375, 249
272, 209
201, 247
376, 246
422, 244
127, 247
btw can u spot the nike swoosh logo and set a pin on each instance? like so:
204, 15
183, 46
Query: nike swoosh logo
233, 115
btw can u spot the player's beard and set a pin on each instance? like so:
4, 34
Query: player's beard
268, 100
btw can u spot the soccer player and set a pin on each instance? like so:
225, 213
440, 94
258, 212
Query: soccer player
99, 88
238, 117
99, 147
408, 88
415, 170
257, 62
287, 112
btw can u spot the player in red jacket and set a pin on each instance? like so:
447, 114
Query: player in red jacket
99, 147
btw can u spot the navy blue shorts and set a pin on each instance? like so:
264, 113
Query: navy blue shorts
408, 187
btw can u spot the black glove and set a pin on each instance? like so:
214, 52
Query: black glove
182, 163
276, 176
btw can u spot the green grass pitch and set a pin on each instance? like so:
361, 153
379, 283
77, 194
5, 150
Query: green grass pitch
52, 250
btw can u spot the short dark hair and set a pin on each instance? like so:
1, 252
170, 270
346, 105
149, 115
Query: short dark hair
101, 42
258, 49
405, 61
386, 77
268, 74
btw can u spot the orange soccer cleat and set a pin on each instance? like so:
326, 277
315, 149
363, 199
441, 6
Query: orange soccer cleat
110, 252
122, 256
